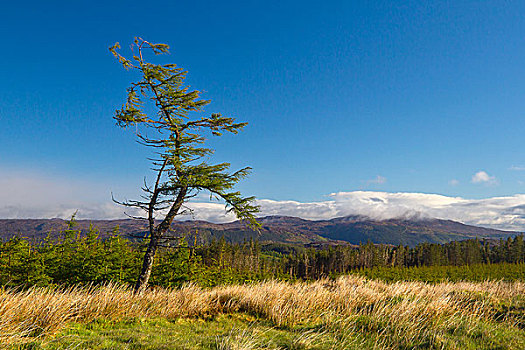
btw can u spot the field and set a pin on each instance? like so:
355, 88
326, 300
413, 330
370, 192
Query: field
349, 313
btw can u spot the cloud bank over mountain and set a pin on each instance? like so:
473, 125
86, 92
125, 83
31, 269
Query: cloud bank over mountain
507, 213
26, 196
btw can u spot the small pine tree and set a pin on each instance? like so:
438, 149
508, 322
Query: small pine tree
181, 171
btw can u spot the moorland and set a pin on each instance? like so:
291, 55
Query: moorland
73, 289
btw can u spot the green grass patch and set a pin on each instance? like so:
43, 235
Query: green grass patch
235, 331
437, 274
244, 332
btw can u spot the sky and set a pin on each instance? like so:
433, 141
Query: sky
380, 108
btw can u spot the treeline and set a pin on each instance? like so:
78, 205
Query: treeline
315, 263
472, 273
81, 258
73, 257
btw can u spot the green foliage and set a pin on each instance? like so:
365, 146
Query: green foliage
72, 258
337, 260
177, 136
435, 274
76, 257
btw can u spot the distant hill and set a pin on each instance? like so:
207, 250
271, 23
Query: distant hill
277, 229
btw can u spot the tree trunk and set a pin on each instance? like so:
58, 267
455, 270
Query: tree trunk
147, 264
155, 236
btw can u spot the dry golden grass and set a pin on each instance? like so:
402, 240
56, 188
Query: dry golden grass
403, 312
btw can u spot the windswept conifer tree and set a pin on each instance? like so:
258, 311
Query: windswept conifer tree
177, 135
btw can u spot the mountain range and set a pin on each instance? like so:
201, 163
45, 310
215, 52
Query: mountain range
275, 229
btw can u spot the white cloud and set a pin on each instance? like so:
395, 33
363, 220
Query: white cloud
377, 180
31, 195
481, 177
498, 212
517, 168
453, 182
26, 196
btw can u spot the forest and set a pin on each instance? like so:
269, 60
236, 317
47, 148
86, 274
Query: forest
76, 257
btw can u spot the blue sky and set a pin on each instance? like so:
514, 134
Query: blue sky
340, 96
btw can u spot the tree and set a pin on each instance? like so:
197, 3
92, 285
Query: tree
177, 136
